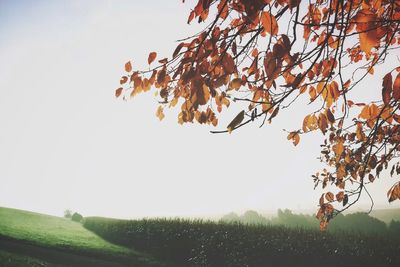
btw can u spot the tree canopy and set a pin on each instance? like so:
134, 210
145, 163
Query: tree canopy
264, 55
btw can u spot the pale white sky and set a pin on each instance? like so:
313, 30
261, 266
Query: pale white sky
66, 142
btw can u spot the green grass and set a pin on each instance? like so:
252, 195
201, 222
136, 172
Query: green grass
63, 235
203, 243
8, 259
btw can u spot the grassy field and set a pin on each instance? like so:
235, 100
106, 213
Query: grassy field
200, 243
38, 239
32, 239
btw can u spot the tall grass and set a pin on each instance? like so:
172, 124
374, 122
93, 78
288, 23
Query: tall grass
204, 243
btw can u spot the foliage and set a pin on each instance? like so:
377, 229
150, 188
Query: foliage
204, 243
358, 222
68, 214
76, 217
264, 55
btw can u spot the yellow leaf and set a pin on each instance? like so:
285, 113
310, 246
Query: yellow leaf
173, 102
160, 113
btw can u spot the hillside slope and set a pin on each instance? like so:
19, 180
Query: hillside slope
60, 241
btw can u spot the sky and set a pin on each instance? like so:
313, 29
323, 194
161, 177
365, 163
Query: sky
67, 143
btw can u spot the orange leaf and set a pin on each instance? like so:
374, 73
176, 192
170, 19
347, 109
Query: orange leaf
329, 196
340, 196
368, 40
338, 149
322, 123
295, 137
394, 192
235, 84
152, 57
269, 23
128, 66
123, 80
364, 113
373, 111
118, 92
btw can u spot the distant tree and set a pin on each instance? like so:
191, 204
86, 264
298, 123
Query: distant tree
287, 218
252, 217
231, 217
264, 55
67, 214
76, 217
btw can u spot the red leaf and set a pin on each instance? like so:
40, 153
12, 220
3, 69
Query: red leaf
269, 23
177, 50
396, 87
387, 88
118, 92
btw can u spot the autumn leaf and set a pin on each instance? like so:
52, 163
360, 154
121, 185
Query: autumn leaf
177, 50
322, 123
387, 88
128, 66
152, 57
330, 116
236, 121
329, 196
295, 137
160, 113
394, 192
340, 196
269, 23
118, 92
396, 88
123, 80
235, 84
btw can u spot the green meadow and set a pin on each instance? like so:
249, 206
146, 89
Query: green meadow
32, 239
28, 238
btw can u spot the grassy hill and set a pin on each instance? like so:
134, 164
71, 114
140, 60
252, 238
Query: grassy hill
32, 239
28, 238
